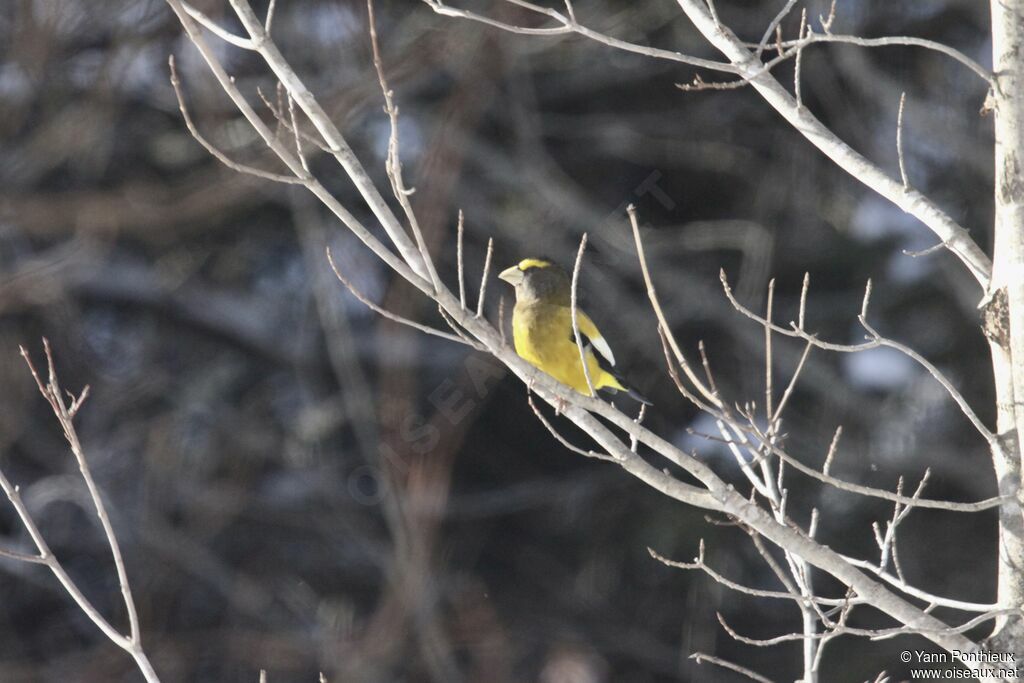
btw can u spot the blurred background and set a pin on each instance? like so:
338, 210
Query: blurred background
301, 486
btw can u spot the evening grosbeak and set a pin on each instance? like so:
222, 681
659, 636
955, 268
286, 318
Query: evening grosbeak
543, 334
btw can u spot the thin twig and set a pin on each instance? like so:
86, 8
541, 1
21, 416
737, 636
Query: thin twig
872, 492
298, 137
818, 134
700, 565
925, 252
212, 149
575, 322
792, 383
571, 12
743, 65
458, 258
388, 314
768, 413
561, 439
568, 25
282, 120
411, 258
484, 278
666, 331
53, 395
887, 546
393, 164
23, 557
52, 392
775, 23
833, 448
700, 658
826, 22
899, 140
215, 28
875, 340
270, 16
803, 300
891, 41
799, 59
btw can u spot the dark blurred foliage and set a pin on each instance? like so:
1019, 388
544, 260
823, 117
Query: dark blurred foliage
301, 486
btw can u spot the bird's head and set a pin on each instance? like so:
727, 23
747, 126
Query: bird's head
538, 279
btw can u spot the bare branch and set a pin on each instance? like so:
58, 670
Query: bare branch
393, 164
53, 395
700, 658
458, 257
875, 340
889, 41
874, 634
298, 137
663, 325
215, 28
872, 492
749, 68
826, 22
23, 557
393, 316
799, 58
209, 147
561, 439
792, 384
768, 414
833, 448
832, 146
484, 278
132, 643
775, 23
283, 122
915, 592
925, 252
713, 493
569, 25
270, 16
699, 564
899, 140
410, 268
340, 148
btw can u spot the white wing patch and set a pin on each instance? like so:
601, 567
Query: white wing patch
589, 331
602, 347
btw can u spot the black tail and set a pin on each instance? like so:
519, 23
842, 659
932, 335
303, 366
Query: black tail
633, 393
636, 395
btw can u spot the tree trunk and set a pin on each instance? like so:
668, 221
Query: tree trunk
1005, 309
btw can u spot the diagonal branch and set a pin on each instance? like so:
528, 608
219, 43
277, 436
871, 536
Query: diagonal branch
957, 239
710, 491
64, 412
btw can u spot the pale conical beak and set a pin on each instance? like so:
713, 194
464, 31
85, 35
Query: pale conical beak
512, 275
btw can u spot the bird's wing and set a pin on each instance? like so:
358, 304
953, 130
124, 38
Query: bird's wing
591, 335
593, 340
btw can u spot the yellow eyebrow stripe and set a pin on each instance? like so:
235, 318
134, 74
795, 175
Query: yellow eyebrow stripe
532, 263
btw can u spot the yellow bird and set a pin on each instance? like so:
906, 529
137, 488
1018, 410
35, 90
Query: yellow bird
543, 334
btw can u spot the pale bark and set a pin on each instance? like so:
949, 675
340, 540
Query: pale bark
953, 235
1005, 317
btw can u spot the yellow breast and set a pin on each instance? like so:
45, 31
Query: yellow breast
543, 337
